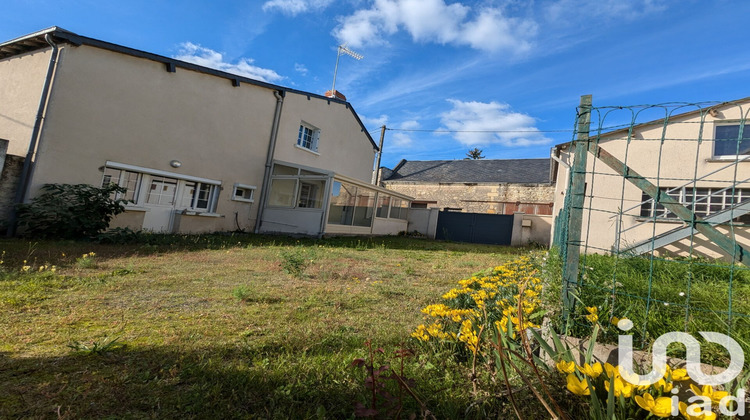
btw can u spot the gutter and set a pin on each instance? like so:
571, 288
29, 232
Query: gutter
279, 94
28, 166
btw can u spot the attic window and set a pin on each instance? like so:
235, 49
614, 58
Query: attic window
308, 137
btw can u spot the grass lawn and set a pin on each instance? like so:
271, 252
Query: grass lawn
214, 327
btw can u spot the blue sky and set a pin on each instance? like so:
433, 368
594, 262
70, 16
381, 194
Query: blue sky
483, 69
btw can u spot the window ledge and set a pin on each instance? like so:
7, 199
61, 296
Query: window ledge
740, 158
136, 208
196, 213
307, 150
244, 200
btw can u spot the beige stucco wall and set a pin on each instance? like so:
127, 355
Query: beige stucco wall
477, 198
111, 106
343, 146
21, 81
128, 219
538, 231
675, 161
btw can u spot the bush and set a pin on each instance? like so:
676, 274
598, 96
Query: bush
65, 211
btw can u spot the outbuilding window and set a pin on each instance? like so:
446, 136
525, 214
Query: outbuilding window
728, 143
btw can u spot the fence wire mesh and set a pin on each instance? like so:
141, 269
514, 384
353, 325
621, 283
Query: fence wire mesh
654, 222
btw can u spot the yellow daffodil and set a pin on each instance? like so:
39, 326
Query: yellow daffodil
565, 366
679, 375
622, 387
592, 371
635, 381
593, 315
660, 407
612, 371
709, 392
704, 415
576, 386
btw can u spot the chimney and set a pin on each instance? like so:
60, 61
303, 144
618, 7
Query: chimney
335, 94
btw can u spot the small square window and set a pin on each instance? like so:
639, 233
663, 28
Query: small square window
727, 142
244, 192
308, 137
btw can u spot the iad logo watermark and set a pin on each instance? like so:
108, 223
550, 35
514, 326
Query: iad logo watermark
700, 403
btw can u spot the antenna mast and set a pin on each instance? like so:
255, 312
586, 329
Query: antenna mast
347, 51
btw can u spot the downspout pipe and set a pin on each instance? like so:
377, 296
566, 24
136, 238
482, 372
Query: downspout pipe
279, 94
28, 165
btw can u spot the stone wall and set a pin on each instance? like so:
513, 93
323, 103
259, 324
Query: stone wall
481, 198
10, 176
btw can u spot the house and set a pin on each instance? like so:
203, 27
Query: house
199, 150
695, 156
498, 186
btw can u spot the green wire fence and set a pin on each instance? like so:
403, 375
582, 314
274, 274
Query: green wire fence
654, 220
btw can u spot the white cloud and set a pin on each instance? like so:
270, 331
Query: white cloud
435, 21
574, 12
295, 7
491, 123
196, 54
300, 68
402, 140
371, 123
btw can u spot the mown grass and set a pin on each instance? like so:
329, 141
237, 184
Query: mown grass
213, 326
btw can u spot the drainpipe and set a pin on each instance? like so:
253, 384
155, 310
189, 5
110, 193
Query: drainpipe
28, 166
279, 94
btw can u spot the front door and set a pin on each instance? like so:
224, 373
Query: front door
160, 201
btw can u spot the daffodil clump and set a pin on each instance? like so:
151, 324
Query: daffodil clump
483, 301
639, 400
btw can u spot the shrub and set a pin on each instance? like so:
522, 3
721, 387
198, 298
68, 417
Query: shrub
65, 211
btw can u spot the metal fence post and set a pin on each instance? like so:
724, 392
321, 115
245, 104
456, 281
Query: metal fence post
577, 194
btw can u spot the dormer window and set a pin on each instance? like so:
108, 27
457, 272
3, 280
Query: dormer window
308, 137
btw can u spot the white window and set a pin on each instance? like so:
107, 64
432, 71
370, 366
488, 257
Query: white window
729, 144
706, 201
126, 179
198, 196
151, 187
243, 192
308, 137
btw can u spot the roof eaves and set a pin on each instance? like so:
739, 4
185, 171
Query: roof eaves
73, 38
661, 120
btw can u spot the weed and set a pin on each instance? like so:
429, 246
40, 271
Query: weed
294, 262
87, 261
242, 293
382, 381
97, 347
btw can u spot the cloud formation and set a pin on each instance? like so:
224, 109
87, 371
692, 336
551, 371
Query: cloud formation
196, 54
491, 123
434, 21
295, 7
401, 140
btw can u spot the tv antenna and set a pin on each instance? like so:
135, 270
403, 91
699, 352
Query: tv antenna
347, 51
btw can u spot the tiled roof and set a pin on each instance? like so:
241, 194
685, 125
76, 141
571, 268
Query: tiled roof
512, 171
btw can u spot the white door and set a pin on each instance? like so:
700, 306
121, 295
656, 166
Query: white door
160, 201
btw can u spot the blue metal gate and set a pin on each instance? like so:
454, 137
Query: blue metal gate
476, 228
